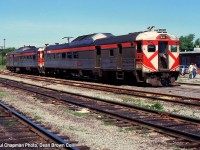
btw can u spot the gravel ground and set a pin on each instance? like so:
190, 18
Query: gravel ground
87, 129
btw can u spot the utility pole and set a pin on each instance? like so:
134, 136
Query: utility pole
1, 48
68, 38
4, 44
4, 48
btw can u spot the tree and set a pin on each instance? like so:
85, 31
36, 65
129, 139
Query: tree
186, 42
3, 54
197, 42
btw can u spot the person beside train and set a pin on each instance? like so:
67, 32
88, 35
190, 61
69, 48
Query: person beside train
194, 70
190, 71
183, 71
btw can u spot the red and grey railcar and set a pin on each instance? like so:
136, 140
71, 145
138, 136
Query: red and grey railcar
150, 56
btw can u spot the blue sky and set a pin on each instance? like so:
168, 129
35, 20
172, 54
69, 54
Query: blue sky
37, 22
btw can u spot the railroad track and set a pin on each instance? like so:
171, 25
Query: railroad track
17, 132
189, 84
185, 129
108, 88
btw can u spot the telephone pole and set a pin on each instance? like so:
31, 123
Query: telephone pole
68, 38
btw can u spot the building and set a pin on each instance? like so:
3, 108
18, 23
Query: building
188, 57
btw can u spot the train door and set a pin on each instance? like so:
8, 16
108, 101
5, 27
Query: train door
139, 56
163, 60
98, 57
41, 60
119, 57
139, 62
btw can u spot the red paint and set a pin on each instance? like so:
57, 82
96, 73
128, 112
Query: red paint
176, 61
147, 61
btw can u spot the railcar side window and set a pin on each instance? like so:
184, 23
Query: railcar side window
69, 54
75, 55
111, 52
174, 48
151, 48
63, 55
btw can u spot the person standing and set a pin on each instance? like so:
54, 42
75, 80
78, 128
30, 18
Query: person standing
194, 70
190, 69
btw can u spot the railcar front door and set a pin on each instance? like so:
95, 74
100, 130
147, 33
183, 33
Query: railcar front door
163, 59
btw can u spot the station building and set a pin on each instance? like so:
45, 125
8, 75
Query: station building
188, 57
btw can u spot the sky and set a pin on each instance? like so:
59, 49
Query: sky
38, 22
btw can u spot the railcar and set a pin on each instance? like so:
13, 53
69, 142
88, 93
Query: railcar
150, 56
23, 59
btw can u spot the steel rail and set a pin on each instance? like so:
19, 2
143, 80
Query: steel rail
39, 128
118, 90
108, 111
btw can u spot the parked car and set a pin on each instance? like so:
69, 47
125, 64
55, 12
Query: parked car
185, 67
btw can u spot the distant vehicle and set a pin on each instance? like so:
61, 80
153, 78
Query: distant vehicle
185, 69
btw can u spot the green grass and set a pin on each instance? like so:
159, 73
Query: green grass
36, 117
3, 94
126, 129
193, 115
8, 123
145, 128
2, 67
155, 106
106, 123
75, 113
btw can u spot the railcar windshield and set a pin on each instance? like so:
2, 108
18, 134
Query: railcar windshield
174, 48
151, 48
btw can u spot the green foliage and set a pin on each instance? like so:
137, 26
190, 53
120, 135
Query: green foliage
8, 123
197, 42
36, 117
155, 106
3, 54
186, 42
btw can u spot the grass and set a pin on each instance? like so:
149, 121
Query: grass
3, 94
36, 117
75, 113
193, 115
2, 67
145, 128
8, 123
106, 123
126, 129
155, 106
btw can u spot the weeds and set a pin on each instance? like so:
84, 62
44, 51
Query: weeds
106, 123
75, 113
8, 123
3, 94
155, 106
36, 117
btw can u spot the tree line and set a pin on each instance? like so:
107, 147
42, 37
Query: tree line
188, 42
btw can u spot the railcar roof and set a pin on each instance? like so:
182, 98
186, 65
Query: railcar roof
117, 39
24, 49
57, 46
84, 40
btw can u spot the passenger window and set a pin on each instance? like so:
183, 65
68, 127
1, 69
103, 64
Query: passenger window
63, 55
111, 52
75, 55
34, 57
151, 48
174, 48
69, 54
